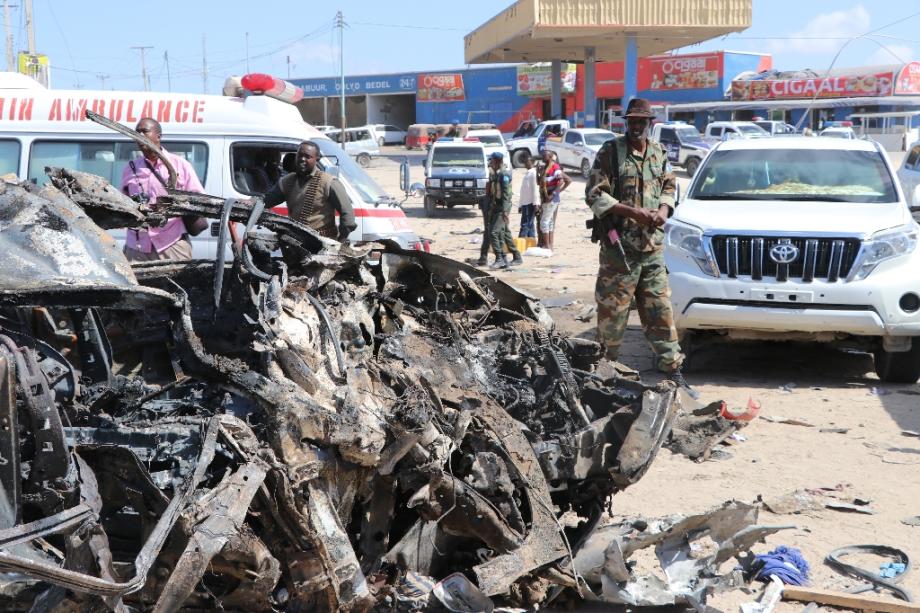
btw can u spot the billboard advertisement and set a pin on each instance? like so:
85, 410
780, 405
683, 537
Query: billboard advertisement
36, 66
670, 72
877, 84
537, 79
908, 81
440, 88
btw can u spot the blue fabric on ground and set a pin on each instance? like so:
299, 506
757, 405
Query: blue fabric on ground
890, 570
786, 563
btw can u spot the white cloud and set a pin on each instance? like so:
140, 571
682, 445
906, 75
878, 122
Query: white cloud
819, 34
891, 54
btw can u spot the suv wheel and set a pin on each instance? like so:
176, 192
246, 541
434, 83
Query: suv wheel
585, 168
429, 206
518, 157
691, 166
900, 366
363, 160
381, 141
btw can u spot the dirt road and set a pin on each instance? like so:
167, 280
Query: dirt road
855, 444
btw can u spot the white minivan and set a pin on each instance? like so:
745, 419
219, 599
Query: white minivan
238, 146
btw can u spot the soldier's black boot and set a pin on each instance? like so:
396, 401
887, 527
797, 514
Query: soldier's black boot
517, 260
482, 261
677, 377
499, 263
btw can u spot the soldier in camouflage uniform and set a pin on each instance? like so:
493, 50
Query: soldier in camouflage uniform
499, 209
631, 193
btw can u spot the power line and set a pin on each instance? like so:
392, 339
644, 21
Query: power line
402, 26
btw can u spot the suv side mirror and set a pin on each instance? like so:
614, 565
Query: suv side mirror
404, 175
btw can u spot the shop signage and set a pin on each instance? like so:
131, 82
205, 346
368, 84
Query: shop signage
877, 84
354, 86
537, 79
908, 81
663, 73
440, 88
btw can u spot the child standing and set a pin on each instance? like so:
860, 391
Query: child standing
527, 206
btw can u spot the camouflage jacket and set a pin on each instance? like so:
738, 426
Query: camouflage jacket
500, 190
643, 183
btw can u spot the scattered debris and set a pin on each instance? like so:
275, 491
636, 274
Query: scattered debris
746, 413
688, 550
787, 388
834, 430
698, 429
789, 421
913, 520
896, 556
879, 391
771, 596
795, 502
845, 506
587, 314
554, 302
339, 428
911, 433
784, 563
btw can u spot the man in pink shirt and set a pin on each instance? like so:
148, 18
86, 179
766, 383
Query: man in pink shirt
145, 179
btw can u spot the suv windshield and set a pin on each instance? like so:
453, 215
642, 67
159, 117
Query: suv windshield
354, 174
488, 139
598, 138
688, 133
751, 129
444, 157
833, 175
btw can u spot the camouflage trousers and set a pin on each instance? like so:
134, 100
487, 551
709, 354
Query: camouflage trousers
646, 279
501, 235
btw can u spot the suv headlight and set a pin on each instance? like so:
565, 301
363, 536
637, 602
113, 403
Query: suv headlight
883, 246
481, 183
433, 182
690, 240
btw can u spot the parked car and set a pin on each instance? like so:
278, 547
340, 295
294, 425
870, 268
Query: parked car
385, 134
800, 239
724, 130
578, 147
838, 133
520, 148
683, 143
359, 143
909, 173
776, 128
455, 173
492, 140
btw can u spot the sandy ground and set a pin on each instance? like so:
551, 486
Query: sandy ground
870, 460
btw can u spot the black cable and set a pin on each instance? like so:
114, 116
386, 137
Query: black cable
833, 560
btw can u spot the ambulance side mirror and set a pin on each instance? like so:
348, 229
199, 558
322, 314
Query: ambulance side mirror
404, 175
332, 170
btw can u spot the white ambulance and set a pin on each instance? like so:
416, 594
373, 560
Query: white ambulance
238, 146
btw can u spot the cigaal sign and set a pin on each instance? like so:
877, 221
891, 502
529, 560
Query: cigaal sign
878, 84
440, 88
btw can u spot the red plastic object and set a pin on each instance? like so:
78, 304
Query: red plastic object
274, 87
741, 413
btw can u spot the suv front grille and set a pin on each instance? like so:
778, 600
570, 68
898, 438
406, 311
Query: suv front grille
823, 259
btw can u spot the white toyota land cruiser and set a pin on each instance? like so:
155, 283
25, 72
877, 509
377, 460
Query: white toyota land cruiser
800, 239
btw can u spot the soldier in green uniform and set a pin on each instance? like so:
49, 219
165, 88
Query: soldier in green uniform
631, 193
499, 208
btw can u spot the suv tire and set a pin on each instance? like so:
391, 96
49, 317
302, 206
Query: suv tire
898, 367
363, 160
691, 166
430, 207
381, 141
518, 156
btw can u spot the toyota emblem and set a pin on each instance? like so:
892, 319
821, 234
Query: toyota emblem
784, 253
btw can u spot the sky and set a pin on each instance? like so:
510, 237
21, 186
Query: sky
90, 43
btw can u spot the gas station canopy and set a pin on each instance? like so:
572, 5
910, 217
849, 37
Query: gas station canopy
544, 30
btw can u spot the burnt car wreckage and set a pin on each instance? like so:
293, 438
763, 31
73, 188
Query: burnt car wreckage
325, 430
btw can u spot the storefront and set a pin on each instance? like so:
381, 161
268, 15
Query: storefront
508, 95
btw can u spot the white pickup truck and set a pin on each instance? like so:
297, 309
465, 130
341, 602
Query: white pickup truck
578, 147
529, 145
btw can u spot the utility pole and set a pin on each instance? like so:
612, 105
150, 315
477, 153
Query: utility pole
340, 24
204, 64
102, 78
10, 58
168, 75
30, 27
247, 52
143, 51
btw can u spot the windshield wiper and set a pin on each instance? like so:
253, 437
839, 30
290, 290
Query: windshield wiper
729, 197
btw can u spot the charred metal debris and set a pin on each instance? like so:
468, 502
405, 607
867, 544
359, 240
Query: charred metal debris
328, 429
